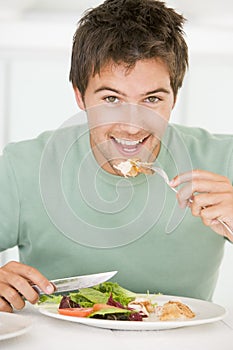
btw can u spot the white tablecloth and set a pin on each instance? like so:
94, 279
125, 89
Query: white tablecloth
49, 333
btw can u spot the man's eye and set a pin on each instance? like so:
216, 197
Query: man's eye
152, 99
111, 99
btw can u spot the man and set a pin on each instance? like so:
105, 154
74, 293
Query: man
67, 206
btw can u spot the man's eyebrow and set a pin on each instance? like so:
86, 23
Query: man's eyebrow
156, 91
102, 88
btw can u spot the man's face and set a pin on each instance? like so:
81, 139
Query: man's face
130, 103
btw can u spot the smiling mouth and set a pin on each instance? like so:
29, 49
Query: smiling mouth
129, 146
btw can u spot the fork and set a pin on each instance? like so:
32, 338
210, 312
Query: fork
164, 175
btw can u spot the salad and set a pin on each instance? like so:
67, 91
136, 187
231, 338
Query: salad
110, 301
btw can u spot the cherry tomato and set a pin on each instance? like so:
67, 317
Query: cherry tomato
76, 311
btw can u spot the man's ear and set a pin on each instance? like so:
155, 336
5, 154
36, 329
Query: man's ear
79, 98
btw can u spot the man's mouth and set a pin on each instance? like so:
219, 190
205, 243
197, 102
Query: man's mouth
129, 147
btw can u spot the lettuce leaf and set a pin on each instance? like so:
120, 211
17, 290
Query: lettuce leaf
89, 295
50, 299
113, 310
118, 293
100, 294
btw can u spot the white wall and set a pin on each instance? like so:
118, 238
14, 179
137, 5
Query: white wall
34, 88
35, 94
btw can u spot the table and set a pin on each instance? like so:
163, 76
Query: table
49, 333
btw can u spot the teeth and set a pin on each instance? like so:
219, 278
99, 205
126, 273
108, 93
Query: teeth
128, 142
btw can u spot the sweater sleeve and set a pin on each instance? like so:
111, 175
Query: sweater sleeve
9, 204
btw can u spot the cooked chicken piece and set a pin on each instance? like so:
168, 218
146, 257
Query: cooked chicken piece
174, 310
143, 305
133, 167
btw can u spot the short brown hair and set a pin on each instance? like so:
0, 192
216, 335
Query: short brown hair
125, 31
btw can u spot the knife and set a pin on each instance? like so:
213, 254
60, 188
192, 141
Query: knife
77, 282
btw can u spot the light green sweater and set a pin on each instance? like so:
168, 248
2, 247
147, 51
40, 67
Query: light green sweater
70, 217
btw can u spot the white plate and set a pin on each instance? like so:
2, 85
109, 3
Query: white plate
206, 312
12, 325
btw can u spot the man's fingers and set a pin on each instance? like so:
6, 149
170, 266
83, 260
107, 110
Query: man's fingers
197, 174
20, 285
5, 306
11, 296
200, 186
14, 287
16, 281
31, 274
205, 200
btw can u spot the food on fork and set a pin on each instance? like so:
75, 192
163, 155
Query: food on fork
134, 167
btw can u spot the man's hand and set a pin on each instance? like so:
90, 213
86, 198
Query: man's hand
212, 198
15, 285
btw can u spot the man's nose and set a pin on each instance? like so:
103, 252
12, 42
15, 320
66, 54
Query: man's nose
131, 129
